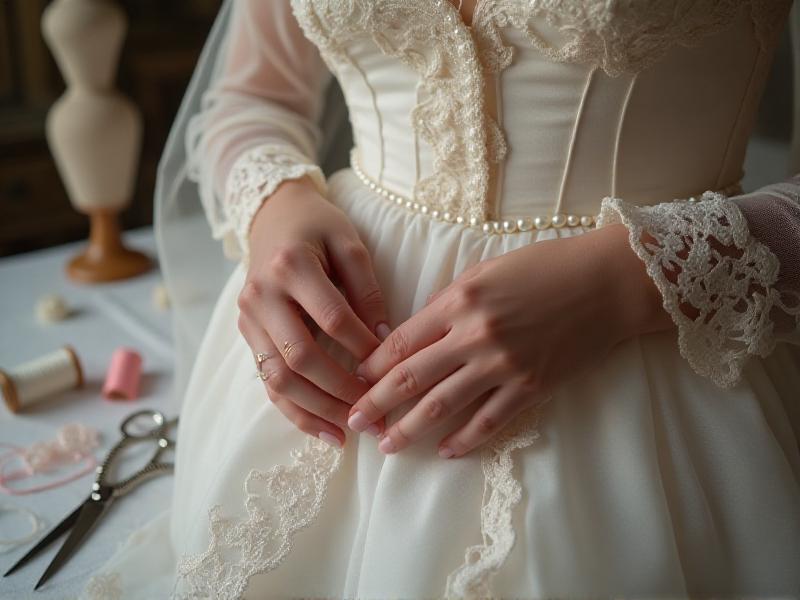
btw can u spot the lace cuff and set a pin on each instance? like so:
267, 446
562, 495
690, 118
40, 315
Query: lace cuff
717, 281
252, 178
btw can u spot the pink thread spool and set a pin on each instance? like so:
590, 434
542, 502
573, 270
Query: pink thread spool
124, 373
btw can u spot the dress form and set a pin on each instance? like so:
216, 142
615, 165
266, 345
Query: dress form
94, 132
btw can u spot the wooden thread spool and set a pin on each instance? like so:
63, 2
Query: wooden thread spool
41, 377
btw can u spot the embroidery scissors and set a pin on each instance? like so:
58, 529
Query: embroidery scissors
104, 492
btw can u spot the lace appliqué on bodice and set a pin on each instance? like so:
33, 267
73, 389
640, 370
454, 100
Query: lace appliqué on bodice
618, 36
279, 503
705, 262
430, 38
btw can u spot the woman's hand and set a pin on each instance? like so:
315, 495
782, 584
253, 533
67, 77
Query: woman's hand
301, 246
504, 333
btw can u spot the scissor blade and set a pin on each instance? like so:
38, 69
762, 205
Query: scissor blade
54, 533
90, 513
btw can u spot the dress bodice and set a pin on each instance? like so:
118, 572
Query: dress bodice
543, 107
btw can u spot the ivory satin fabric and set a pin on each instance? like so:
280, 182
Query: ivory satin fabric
646, 479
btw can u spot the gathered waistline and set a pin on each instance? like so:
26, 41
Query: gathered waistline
491, 226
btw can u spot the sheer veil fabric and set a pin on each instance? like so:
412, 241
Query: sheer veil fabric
194, 263
672, 468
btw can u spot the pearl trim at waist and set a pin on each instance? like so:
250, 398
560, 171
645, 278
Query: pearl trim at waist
510, 225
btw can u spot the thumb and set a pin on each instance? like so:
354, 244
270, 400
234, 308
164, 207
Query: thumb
353, 264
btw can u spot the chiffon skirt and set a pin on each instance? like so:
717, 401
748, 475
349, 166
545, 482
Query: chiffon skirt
641, 479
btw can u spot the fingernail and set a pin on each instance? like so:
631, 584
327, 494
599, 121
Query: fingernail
373, 429
446, 452
360, 378
331, 439
386, 446
383, 331
357, 421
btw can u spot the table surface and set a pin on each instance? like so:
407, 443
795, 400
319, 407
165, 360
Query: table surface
106, 316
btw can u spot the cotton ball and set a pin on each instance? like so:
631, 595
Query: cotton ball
161, 297
52, 308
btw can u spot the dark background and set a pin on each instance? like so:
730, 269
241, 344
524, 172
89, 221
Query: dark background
164, 41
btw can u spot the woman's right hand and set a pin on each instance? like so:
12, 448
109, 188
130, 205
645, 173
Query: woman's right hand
301, 246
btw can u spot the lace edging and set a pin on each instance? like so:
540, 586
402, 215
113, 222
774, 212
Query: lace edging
104, 586
239, 549
732, 295
253, 177
619, 37
473, 578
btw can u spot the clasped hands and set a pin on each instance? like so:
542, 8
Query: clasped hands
502, 334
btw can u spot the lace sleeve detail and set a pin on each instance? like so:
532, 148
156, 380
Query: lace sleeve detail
717, 281
252, 178
259, 120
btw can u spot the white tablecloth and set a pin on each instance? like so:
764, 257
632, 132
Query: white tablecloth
108, 316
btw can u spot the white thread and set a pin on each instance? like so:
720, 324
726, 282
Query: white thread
37, 525
41, 377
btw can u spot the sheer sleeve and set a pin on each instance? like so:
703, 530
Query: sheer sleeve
259, 120
728, 269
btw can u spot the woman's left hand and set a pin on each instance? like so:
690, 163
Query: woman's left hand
504, 333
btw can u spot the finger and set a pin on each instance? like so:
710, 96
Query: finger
310, 286
277, 315
500, 408
313, 411
422, 329
463, 387
404, 381
280, 380
308, 422
353, 263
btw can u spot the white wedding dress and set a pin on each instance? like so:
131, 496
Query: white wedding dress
670, 468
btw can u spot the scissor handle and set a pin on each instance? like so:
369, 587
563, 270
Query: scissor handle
153, 467
160, 424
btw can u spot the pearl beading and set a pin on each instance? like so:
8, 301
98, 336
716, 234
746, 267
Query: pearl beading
515, 225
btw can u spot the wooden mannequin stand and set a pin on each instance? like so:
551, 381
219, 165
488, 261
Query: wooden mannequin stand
94, 132
106, 258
